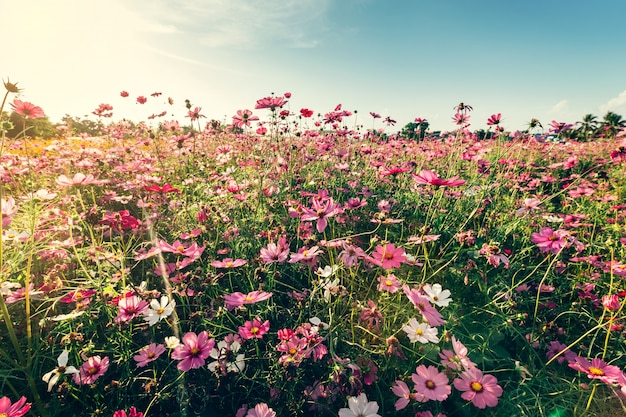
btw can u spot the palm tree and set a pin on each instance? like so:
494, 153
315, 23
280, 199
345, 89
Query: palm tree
588, 126
612, 123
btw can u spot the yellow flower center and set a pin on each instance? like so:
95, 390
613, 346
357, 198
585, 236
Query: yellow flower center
476, 386
388, 283
596, 371
160, 310
194, 351
254, 330
93, 370
292, 351
430, 384
419, 332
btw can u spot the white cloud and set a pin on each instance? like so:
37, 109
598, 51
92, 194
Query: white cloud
614, 103
560, 106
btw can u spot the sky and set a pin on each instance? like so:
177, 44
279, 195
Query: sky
544, 59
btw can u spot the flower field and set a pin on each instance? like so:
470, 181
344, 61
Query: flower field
306, 267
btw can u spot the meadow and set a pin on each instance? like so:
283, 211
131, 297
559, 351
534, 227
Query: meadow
298, 264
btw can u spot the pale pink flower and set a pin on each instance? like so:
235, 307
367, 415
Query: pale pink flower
77, 179
228, 263
148, 354
420, 332
261, 410
401, 390
270, 103
437, 295
194, 350
431, 383
351, 254
321, 210
275, 253
456, 359
238, 299
482, 390
389, 283
360, 407
422, 303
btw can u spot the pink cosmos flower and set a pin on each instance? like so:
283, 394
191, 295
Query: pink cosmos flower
228, 263
611, 302
17, 409
351, 254
306, 112
389, 256
321, 210
596, 369
305, 255
275, 253
166, 188
270, 103
461, 118
141, 100
78, 179
26, 109
92, 369
132, 412
124, 93
458, 359
129, 308
494, 119
238, 299
243, 118
431, 383
254, 329
427, 177
194, 350
555, 348
549, 240
402, 390
432, 316
148, 354
389, 283
261, 410
482, 390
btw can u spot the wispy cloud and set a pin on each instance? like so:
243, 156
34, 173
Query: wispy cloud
560, 106
240, 25
614, 103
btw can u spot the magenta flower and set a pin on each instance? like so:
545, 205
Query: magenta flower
129, 308
596, 369
26, 109
17, 409
254, 329
228, 263
243, 118
195, 114
427, 177
92, 369
141, 100
132, 412
549, 240
389, 256
238, 299
305, 255
482, 390
194, 350
148, 354
270, 103
555, 348
431, 383
460, 118
494, 119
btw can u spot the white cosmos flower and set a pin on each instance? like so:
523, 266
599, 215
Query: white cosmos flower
159, 310
227, 358
420, 332
327, 271
52, 377
360, 407
437, 295
172, 342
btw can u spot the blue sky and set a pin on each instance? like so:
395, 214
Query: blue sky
552, 60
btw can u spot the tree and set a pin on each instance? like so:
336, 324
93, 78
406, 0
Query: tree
587, 127
612, 123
